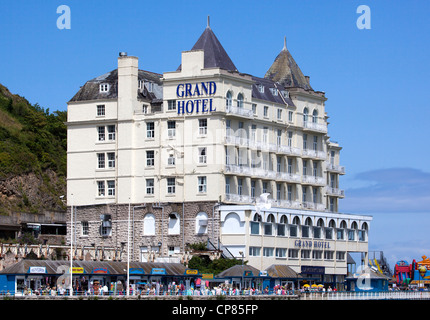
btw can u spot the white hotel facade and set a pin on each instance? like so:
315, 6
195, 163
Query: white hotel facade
183, 157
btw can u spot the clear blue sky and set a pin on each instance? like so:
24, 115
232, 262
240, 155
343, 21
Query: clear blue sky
376, 80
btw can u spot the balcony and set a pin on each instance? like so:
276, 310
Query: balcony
315, 180
335, 192
288, 177
313, 126
335, 168
240, 111
288, 150
286, 204
313, 206
316, 154
238, 198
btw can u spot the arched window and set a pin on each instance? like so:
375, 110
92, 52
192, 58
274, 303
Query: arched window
240, 100
174, 224
283, 219
315, 116
343, 224
202, 223
354, 225
271, 218
305, 115
308, 222
257, 218
232, 224
149, 225
332, 224
320, 222
229, 99
296, 220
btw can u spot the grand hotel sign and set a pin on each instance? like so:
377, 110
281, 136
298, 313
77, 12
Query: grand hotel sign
198, 97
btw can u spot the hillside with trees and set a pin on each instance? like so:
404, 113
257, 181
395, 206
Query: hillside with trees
33, 144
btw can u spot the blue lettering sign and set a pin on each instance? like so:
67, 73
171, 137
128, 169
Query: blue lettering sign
188, 90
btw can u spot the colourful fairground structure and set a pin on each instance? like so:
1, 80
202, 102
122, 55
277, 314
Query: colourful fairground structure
416, 273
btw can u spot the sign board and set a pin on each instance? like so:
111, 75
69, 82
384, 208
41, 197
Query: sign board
78, 270
37, 270
312, 270
207, 276
100, 271
158, 271
192, 271
136, 271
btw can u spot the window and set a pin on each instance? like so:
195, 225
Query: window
150, 158
315, 144
306, 254
254, 108
149, 186
254, 251
203, 126
171, 129
239, 186
85, 228
145, 109
111, 132
289, 192
265, 134
315, 116
293, 253
101, 133
100, 160
261, 88
305, 115
305, 167
279, 138
340, 255
253, 188
255, 227
104, 87
171, 160
290, 116
101, 188
150, 132
140, 84
171, 104
101, 110
240, 100
267, 229
290, 138
274, 91
279, 114
202, 155
111, 187
278, 191
149, 225
317, 254
305, 141
340, 234
267, 252
171, 185
202, 223
227, 185
280, 229
266, 111
149, 85
174, 223
202, 184
111, 160
305, 231
351, 234
229, 100
328, 255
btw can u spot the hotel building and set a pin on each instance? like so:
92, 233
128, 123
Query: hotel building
183, 157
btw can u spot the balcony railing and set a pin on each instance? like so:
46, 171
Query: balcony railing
336, 168
239, 111
335, 192
319, 127
313, 180
314, 154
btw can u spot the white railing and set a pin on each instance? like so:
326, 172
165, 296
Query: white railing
368, 295
319, 127
240, 111
335, 168
335, 192
313, 180
314, 153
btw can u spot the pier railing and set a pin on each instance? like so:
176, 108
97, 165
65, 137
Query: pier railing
362, 295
